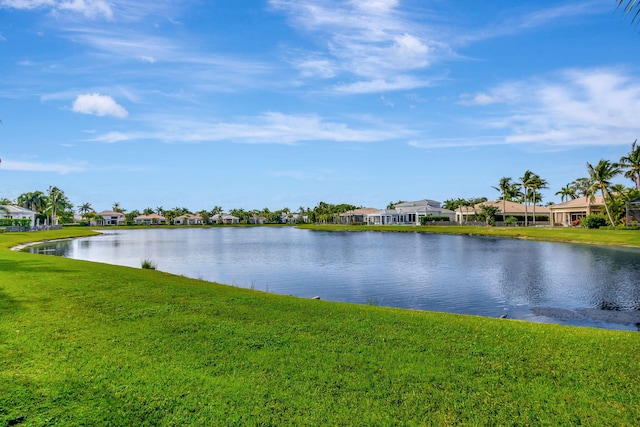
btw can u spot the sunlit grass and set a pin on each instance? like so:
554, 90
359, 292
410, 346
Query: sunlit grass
558, 234
94, 344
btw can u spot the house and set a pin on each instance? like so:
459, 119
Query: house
111, 218
356, 216
188, 219
567, 213
506, 209
18, 213
257, 220
151, 219
409, 213
225, 219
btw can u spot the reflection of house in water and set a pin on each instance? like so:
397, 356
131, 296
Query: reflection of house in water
574, 210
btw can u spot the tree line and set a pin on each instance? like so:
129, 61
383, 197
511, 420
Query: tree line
598, 180
54, 207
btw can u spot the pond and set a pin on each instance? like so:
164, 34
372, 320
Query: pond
535, 281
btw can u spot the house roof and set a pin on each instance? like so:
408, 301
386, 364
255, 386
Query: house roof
360, 211
151, 216
187, 216
509, 208
15, 210
580, 202
110, 213
418, 203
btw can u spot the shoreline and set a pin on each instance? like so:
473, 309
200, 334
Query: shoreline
588, 314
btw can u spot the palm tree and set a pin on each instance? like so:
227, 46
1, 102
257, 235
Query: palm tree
631, 163
34, 200
526, 181
56, 202
537, 184
84, 208
116, 207
631, 7
602, 174
568, 192
503, 187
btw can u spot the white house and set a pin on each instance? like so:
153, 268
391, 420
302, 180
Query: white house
17, 212
188, 219
409, 213
151, 219
225, 219
112, 218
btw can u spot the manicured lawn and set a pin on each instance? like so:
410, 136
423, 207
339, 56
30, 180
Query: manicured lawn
88, 344
559, 234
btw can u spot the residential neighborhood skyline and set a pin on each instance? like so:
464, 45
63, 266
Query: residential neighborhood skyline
284, 103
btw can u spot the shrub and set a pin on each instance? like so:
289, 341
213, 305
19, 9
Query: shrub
424, 220
148, 264
510, 220
594, 221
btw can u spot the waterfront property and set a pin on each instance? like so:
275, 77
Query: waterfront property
188, 219
357, 216
409, 213
17, 212
151, 219
572, 211
225, 219
112, 218
538, 215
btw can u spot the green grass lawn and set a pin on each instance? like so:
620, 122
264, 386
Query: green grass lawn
557, 234
89, 344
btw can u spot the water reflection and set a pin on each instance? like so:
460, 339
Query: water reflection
537, 281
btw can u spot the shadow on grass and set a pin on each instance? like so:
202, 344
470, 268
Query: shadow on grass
8, 304
31, 266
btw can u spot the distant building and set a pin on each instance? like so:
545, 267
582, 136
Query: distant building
567, 213
17, 212
112, 218
409, 213
151, 219
188, 219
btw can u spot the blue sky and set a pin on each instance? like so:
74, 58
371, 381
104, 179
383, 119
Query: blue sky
285, 103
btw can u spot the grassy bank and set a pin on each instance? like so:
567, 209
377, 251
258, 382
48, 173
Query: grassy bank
552, 234
93, 344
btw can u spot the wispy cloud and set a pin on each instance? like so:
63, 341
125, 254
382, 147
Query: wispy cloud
268, 128
88, 8
99, 105
519, 20
370, 40
592, 107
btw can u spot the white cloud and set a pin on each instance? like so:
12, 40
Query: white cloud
381, 85
268, 128
370, 40
99, 105
88, 8
576, 108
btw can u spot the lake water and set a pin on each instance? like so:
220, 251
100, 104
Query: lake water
536, 281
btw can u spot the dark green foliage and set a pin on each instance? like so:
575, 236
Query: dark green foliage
594, 221
424, 220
